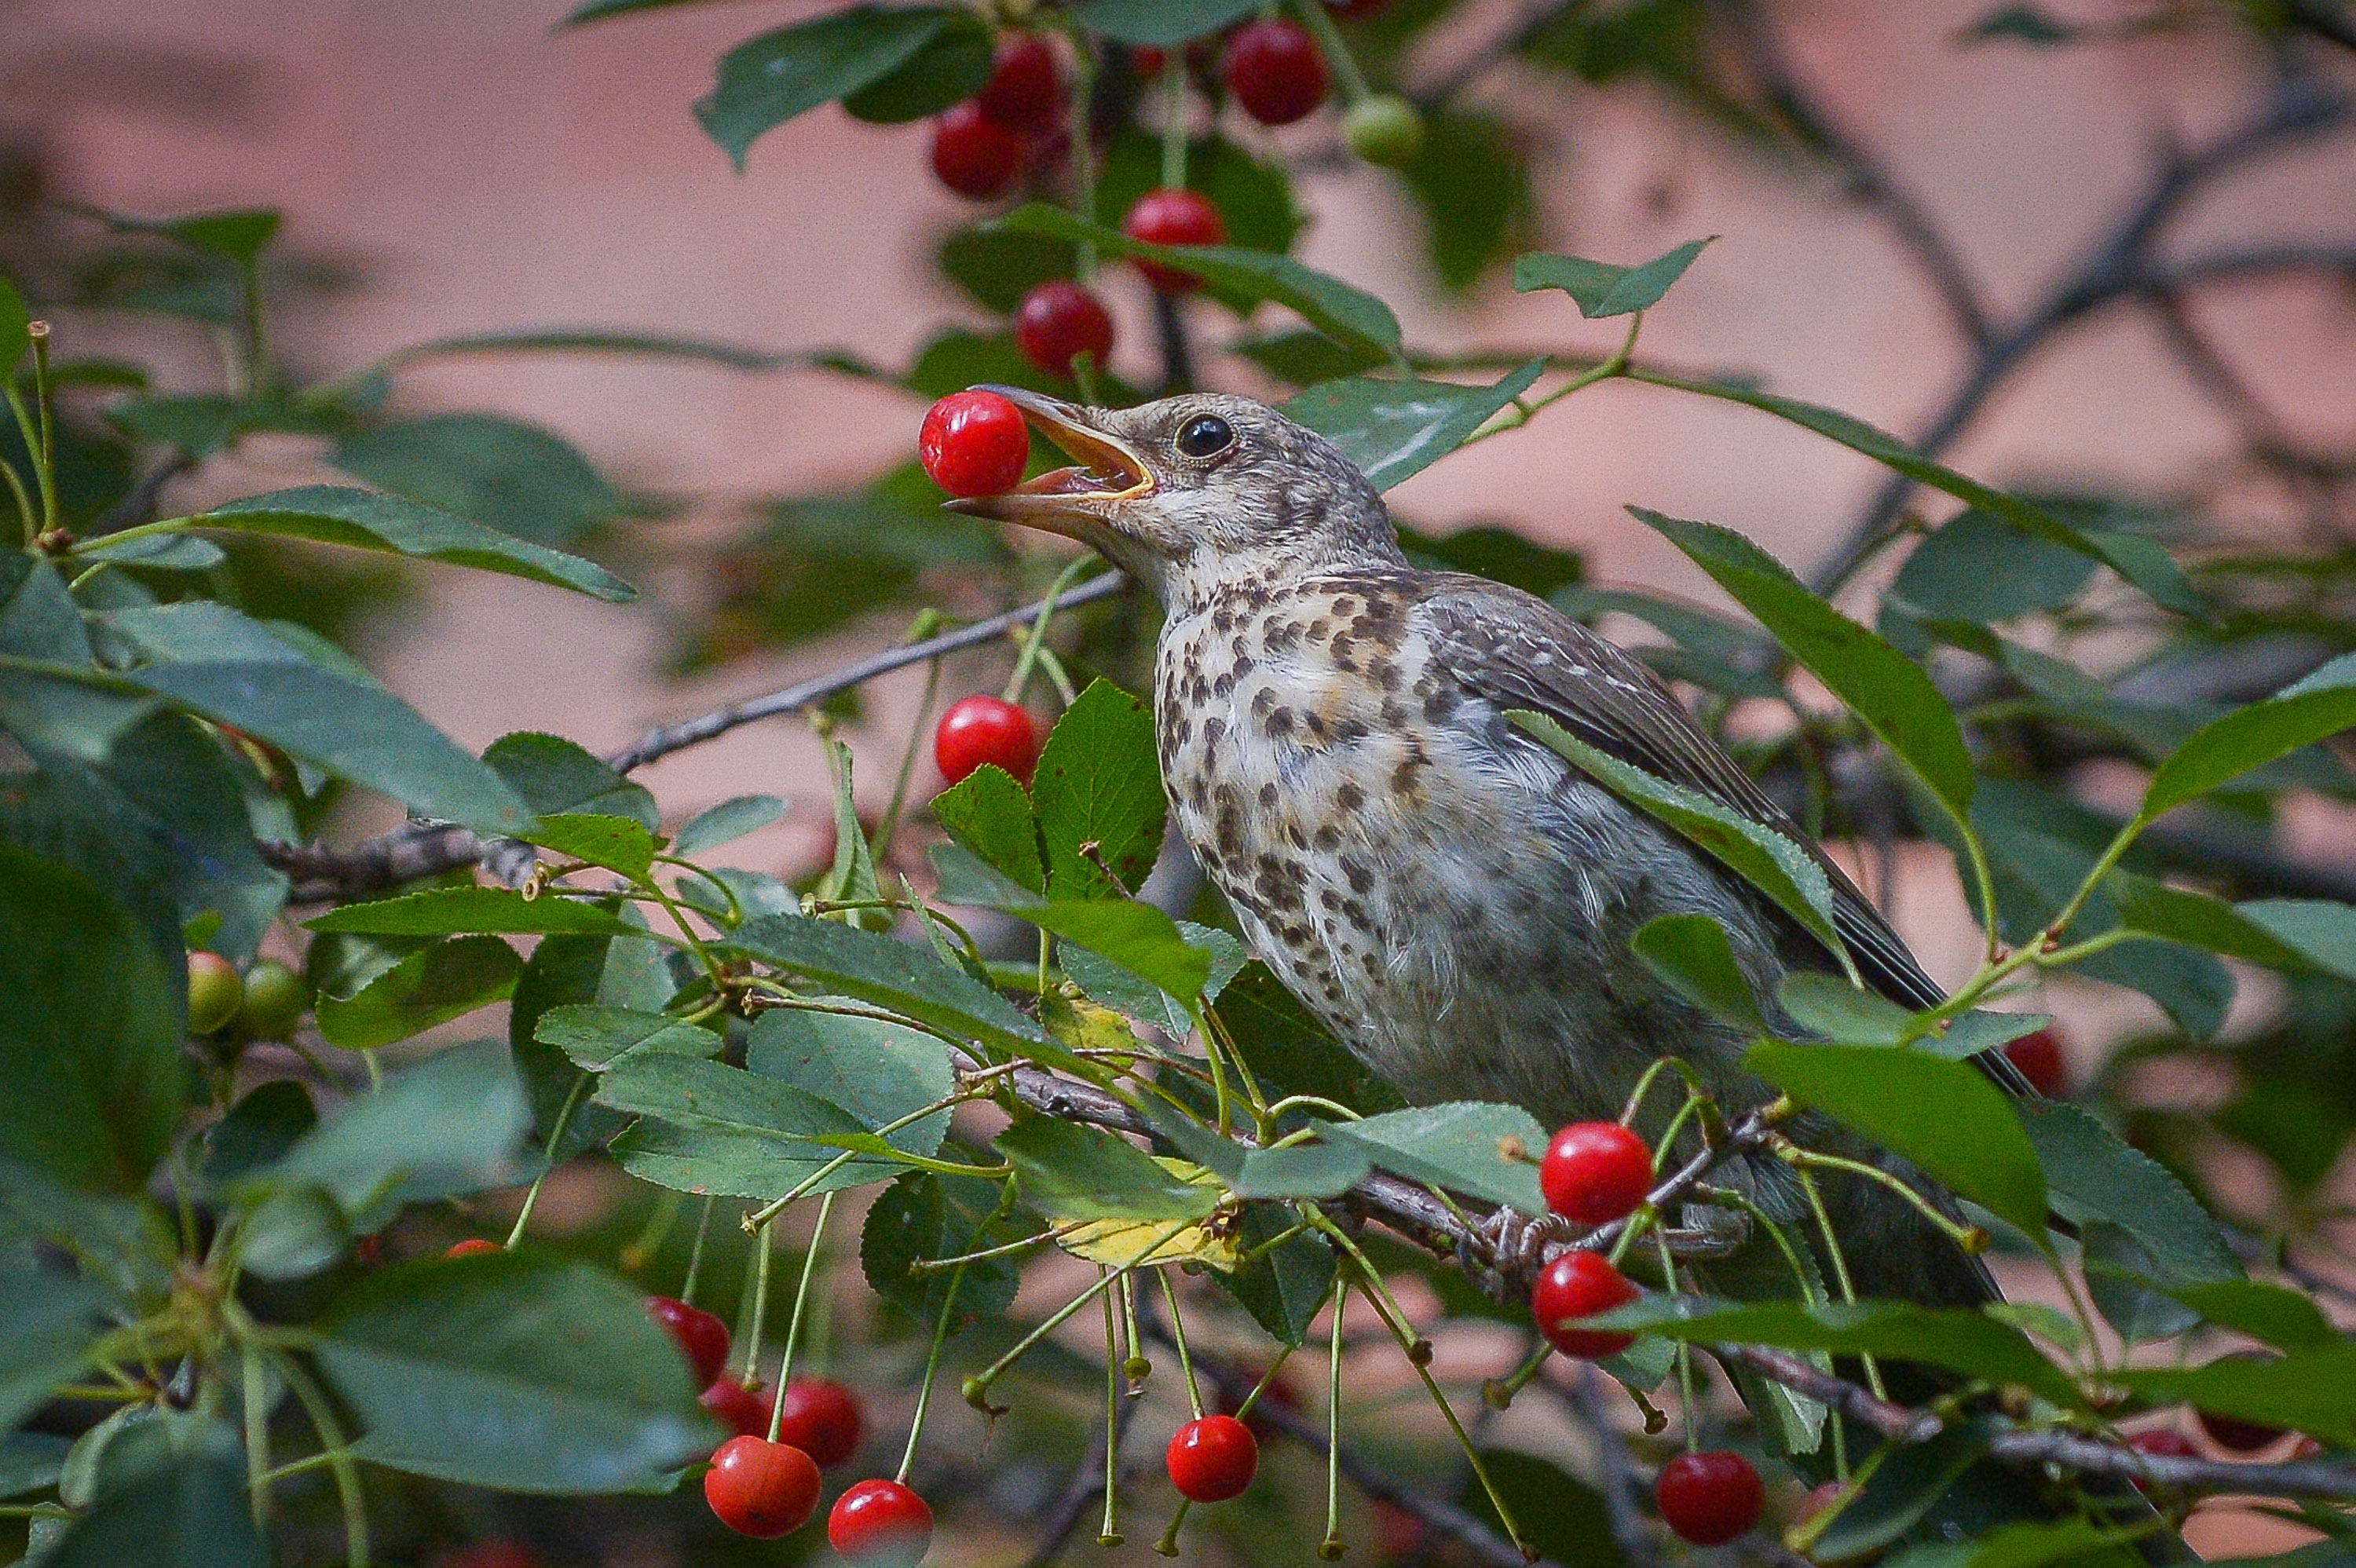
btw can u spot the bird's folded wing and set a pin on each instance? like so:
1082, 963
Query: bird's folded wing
1513, 650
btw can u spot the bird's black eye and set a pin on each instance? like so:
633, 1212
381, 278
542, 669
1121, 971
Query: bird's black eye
1206, 434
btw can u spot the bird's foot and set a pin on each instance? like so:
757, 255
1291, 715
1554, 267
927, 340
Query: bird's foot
1503, 1251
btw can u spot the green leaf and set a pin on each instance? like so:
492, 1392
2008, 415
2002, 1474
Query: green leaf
2322, 932
1120, 988
90, 1024
1692, 954
1461, 1146
1603, 289
2024, 1546
1309, 1171
1346, 314
2137, 559
1394, 428
1982, 568
239, 234
1945, 1116
877, 1071
1099, 782
1562, 1518
2197, 920
513, 1371
1498, 554
270, 1119
954, 65
51, 696
2309, 1390
30, 1461
1912, 1480
989, 813
1766, 860
48, 1321
2091, 1175
1291, 1052
355, 731
1074, 1172
1305, 357
2029, 25
893, 975
444, 912
767, 80
721, 1129
727, 822
596, 1037
1289, 1283
446, 981
1892, 693
508, 476
2312, 709
2278, 1317
2119, 1275
923, 1216
1136, 936
170, 1494
555, 777
1160, 23
615, 843
451, 1126
364, 520
999, 270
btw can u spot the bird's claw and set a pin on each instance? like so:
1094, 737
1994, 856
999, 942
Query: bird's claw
1509, 1245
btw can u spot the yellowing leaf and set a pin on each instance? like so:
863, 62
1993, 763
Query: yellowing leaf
1119, 1243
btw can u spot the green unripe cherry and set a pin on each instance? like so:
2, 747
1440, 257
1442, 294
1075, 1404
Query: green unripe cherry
215, 992
1384, 129
275, 999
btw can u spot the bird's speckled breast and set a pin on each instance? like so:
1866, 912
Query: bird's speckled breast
1423, 879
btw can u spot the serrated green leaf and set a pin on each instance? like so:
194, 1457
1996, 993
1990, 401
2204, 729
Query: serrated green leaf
1160, 23
1137, 936
615, 843
513, 1371
449, 912
2322, 932
715, 1128
362, 519
169, 1492
1071, 1171
1098, 782
1981, 568
2313, 710
1391, 429
1761, 857
555, 776
1944, 1116
1289, 1284
500, 473
921, 1217
2270, 1313
2309, 1390
2091, 1175
878, 1072
596, 1038
953, 65
446, 981
1602, 289
725, 823
989, 814
767, 80
1461, 1145
1692, 954
1120, 988
893, 975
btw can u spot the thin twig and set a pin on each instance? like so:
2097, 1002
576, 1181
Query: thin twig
427, 849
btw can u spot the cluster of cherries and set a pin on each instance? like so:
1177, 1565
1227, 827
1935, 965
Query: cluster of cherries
264, 1003
1595, 1173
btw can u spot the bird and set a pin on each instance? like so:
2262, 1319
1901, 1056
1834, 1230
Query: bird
1450, 897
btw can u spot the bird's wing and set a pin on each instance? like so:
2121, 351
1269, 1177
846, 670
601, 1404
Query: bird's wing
1518, 651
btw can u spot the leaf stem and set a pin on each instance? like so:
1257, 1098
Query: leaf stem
1108, 1533
555, 1138
695, 1252
1840, 1266
1178, 1333
932, 1374
763, 1252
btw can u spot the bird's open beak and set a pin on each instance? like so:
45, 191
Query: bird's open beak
1062, 500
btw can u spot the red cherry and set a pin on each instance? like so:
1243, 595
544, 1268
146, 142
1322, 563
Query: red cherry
821, 1419
761, 1489
472, 1247
1167, 217
1596, 1172
978, 730
1576, 1285
974, 444
881, 1520
703, 1337
1147, 61
1275, 71
1213, 1459
1709, 1498
1058, 320
2241, 1436
1025, 90
2039, 1057
973, 155
737, 1406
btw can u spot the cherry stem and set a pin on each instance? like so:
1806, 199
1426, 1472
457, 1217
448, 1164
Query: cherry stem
980, 1383
1677, 1064
1029, 657
1331, 1547
1499, 1392
1840, 1266
1178, 1333
793, 1324
1689, 1400
752, 1378
695, 1253
1109, 1534
555, 1138
660, 1221
932, 1374
1135, 1358
1970, 1238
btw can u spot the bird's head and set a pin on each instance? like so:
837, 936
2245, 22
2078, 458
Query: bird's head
1192, 492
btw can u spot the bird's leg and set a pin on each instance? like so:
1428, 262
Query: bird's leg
1510, 1244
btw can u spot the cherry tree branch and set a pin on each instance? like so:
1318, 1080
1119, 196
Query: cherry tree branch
425, 849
